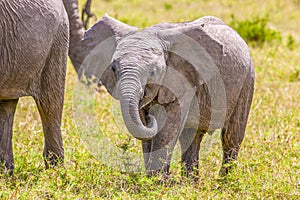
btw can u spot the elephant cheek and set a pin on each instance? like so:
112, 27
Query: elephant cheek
109, 80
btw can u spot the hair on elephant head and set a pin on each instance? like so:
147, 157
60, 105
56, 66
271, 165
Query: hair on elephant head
162, 64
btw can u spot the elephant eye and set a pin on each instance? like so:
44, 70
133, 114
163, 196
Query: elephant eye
153, 71
113, 66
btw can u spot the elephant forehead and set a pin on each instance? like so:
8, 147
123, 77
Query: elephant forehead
141, 42
139, 49
138, 55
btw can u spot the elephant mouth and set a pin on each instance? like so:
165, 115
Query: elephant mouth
150, 94
144, 106
145, 101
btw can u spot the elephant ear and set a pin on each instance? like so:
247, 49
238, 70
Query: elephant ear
193, 53
99, 43
102, 30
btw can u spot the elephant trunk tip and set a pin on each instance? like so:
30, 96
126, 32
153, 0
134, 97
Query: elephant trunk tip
140, 125
143, 129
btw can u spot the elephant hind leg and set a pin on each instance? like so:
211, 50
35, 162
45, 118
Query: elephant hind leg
233, 133
50, 99
7, 112
190, 140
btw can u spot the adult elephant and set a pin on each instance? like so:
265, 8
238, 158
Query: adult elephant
34, 39
198, 75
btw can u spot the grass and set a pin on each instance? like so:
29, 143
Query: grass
268, 166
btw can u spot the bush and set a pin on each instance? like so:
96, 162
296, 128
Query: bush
255, 31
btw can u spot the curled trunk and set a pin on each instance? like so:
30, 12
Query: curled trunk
129, 99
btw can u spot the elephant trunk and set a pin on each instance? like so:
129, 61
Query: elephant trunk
76, 33
129, 88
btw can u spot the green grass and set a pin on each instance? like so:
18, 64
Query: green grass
256, 32
269, 161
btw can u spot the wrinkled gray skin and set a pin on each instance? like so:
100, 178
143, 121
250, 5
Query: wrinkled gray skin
76, 33
138, 57
34, 39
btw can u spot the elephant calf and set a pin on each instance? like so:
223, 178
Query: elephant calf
34, 39
175, 82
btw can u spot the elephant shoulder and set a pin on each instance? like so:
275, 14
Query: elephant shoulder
161, 26
201, 21
208, 20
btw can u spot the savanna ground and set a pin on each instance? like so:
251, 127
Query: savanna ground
268, 166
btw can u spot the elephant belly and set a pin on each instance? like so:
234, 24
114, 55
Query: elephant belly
205, 117
11, 94
198, 122
20, 72
28, 31
17, 85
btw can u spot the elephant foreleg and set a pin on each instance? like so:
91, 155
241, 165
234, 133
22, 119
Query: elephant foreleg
190, 140
158, 150
7, 112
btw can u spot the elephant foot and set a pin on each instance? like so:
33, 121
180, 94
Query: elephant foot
6, 166
191, 173
226, 168
163, 178
52, 160
159, 172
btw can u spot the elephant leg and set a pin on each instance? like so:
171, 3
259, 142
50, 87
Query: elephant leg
190, 140
158, 154
50, 101
146, 146
51, 120
7, 112
158, 150
233, 133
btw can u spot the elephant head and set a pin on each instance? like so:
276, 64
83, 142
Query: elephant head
133, 64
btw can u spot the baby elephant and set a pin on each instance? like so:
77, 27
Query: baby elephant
175, 81
34, 39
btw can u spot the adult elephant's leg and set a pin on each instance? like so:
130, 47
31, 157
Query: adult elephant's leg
190, 140
7, 112
233, 133
158, 150
50, 100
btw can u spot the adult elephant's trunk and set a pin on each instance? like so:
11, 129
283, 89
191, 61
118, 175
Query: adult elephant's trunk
76, 33
129, 88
